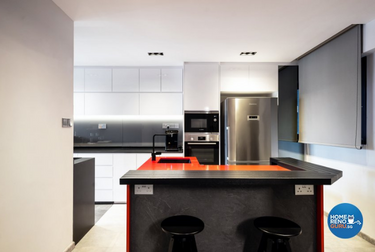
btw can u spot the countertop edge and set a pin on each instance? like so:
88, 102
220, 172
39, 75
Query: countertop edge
301, 173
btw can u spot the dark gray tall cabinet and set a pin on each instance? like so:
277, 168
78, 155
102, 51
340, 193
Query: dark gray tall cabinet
83, 197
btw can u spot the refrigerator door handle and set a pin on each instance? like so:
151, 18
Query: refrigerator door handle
228, 146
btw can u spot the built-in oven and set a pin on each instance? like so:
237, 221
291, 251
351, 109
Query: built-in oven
201, 121
203, 146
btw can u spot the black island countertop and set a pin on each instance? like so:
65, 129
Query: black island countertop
299, 172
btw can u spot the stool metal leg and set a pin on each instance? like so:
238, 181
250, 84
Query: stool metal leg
171, 244
280, 245
263, 243
182, 244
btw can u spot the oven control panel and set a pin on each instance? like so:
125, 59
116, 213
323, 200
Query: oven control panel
202, 137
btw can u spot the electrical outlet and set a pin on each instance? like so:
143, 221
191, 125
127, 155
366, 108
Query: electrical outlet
170, 126
144, 189
304, 189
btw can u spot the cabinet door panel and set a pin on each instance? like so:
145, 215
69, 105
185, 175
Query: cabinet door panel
100, 159
264, 78
98, 79
111, 104
79, 79
171, 80
161, 104
102, 171
125, 80
234, 77
201, 86
79, 103
142, 158
248, 78
103, 183
122, 163
103, 195
149, 80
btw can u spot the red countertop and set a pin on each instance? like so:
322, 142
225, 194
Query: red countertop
194, 165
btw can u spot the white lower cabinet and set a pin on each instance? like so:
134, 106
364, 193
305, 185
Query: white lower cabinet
103, 175
142, 158
109, 168
122, 163
103, 195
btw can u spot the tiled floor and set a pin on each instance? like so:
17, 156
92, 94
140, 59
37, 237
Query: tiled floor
108, 235
100, 210
335, 244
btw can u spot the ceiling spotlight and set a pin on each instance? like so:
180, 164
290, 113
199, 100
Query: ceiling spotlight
155, 54
247, 53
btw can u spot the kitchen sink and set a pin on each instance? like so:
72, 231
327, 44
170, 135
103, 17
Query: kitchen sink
176, 160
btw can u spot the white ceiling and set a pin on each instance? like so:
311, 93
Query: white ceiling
122, 32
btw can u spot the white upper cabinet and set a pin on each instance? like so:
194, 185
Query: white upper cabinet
264, 78
79, 79
171, 80
161, 104
79, 103
128, 91
234, 77
125, 79
150, 80
98, 79
111, 104
248, 77
201, 86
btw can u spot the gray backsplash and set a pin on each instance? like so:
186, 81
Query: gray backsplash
122, 132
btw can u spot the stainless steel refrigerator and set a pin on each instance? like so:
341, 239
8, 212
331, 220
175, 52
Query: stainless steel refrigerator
250, 130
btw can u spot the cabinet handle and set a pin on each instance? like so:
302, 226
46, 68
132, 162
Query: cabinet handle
201, 143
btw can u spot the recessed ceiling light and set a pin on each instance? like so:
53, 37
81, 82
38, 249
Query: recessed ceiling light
247, 53
155, 54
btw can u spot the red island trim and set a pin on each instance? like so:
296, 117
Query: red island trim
195, 166
320, 219
128, 219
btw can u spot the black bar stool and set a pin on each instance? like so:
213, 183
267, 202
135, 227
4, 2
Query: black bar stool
278, 230
182, 229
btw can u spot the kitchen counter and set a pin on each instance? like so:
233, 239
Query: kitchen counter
122, 150
227, 199
282, 171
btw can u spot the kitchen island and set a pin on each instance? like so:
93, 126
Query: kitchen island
227, 198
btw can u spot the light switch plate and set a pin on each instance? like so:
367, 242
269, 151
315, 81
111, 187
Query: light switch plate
144, 189
66, 123
304, 189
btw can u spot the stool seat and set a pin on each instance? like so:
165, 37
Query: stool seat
182, 229
277, 226
278, 230
182, 225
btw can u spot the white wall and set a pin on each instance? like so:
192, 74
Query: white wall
36, 91
357, 186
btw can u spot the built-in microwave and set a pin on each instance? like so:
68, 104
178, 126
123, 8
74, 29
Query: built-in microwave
201, 121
